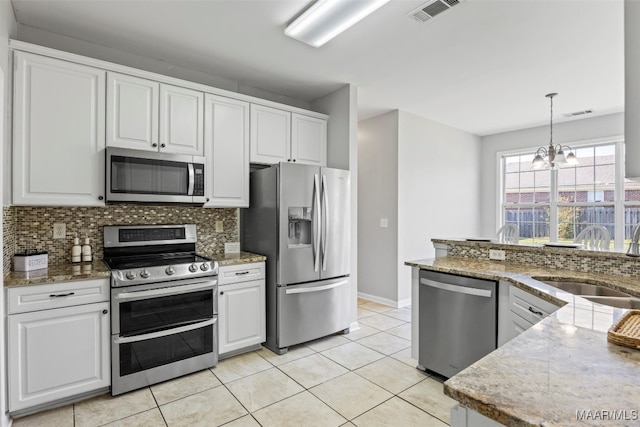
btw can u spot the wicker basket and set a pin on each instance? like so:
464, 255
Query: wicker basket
626, 331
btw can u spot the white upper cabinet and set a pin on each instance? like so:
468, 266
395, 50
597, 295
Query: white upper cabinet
226, 147
282, 136
132, 112
181, 120
270, 135
59, 132
308, 140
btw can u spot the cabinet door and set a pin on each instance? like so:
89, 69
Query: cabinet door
55, 354
132, 112
59, 134
241, 315
226, 142
270, 135
308, 140
181, 120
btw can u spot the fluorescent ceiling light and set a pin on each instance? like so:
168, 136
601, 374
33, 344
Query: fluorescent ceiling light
325, 19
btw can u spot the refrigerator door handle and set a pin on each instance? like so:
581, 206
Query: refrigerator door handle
325, 221
315, 223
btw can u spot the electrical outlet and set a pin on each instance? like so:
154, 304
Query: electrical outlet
497, 254
219, 227
59, 230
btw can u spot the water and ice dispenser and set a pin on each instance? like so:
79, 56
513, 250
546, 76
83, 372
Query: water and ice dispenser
300, 230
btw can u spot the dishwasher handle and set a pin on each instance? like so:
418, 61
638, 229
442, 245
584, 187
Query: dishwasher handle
486, 293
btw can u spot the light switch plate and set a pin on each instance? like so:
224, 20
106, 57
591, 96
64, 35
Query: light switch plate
497, 254
384, 223
232, 248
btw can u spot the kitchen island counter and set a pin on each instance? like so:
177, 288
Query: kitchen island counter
560, 372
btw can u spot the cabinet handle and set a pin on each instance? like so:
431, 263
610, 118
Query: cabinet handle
154, 144
240, 273
100, 198
221, 292
208, 199
534, 311
294, 160
288, 160
105, 311
61, 295
163, 145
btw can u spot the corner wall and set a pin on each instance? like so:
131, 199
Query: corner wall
438, 190
611, 125
632, 87
378, 199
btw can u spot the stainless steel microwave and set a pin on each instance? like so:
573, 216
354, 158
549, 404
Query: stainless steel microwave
147, 176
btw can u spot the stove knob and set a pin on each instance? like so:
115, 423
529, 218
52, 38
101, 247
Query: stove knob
130, 275
204, 266
193, 268
144, 274
169, 271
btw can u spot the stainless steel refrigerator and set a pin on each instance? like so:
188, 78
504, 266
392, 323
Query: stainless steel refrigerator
299, 217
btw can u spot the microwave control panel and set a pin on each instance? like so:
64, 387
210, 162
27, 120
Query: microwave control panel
198, 182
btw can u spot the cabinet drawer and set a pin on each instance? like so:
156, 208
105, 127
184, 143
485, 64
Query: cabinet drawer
528, 306
56, 295
240, 273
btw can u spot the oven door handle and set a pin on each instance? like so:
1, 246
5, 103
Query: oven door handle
164, 333
171, 290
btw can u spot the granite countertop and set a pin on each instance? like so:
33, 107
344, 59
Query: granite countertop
560, 366
58, 273
98, 270
233, 259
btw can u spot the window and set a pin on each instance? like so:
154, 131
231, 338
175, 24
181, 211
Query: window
555, 205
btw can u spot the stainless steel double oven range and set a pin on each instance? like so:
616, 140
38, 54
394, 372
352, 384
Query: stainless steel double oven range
163, 305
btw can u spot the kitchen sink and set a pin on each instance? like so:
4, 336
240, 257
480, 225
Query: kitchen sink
594, 293
620, 302
583, 289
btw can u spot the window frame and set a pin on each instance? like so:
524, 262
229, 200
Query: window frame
618, 203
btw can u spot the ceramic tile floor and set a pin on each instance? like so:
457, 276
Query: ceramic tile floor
365, 378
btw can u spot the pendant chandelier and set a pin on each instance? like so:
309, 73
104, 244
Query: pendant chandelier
554, 155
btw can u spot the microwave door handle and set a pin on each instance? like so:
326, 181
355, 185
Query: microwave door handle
192, 177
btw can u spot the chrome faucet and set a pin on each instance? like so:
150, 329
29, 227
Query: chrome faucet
634, 246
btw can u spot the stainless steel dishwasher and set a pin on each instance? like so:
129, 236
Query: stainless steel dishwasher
457, 321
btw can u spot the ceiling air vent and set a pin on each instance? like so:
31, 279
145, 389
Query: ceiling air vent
432, 8
577, 113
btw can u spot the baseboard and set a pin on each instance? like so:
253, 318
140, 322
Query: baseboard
6, 421
385, 301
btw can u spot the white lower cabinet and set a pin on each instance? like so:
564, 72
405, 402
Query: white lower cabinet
241, 308
57, 354
519, 311
464, 417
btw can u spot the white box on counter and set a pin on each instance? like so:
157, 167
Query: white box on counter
29, 261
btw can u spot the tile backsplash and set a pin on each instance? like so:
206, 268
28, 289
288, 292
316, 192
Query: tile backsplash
613, 263
28, 227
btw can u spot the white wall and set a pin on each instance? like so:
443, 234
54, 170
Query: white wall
632, 87
438, 189
7, 31
378, 198
342, 153
611, 125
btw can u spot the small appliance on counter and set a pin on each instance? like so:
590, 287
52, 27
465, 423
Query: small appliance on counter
30, 260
